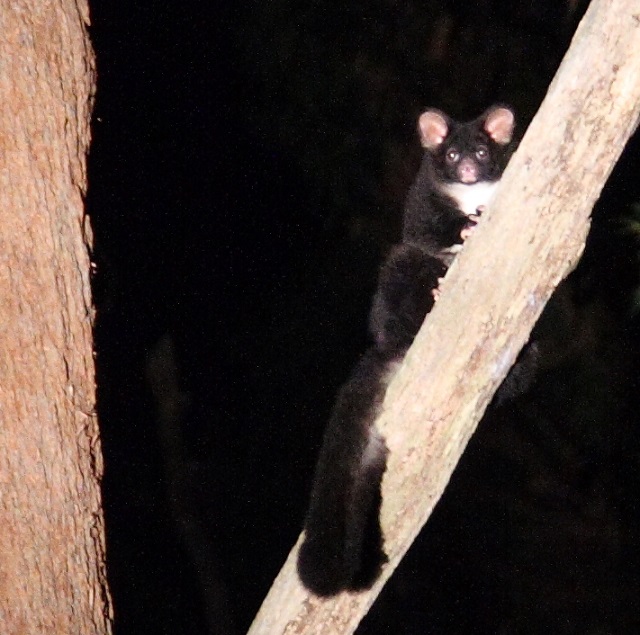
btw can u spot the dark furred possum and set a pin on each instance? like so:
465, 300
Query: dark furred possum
462, 165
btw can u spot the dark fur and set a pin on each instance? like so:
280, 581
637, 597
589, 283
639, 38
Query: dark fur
342, 548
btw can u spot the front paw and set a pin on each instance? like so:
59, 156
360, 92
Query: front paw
472, 221
436, 292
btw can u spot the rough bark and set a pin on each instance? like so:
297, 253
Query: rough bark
495, 291
52, 577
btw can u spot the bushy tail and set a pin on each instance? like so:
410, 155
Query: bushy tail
342, 547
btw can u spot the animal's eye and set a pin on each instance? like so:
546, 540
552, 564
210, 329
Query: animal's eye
482, 152
453, 156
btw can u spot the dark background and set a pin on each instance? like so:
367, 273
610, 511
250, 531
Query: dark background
246, 178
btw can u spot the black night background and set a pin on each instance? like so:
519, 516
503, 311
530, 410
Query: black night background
247, 176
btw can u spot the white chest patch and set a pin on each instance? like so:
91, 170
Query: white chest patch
470, 197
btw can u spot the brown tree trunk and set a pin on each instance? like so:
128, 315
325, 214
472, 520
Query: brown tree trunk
52, 576
491, 298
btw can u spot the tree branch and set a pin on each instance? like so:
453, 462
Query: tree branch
492, 296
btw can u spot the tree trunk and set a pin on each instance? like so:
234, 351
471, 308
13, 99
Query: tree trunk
494, 292
52, 575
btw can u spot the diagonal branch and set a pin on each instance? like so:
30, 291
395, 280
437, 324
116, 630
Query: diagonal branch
492, 297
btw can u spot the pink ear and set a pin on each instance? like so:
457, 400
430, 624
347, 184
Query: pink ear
499, 125
433, 129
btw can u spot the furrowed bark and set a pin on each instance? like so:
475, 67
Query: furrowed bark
52, 571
